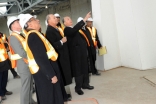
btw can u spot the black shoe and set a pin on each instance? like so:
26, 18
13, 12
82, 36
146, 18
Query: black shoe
79, 92
88, 87
97, 73
8, 93
3, 97
68, 98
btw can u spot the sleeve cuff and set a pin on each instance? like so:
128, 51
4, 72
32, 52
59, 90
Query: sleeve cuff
61, 42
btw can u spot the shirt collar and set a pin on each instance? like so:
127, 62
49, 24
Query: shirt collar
17, 32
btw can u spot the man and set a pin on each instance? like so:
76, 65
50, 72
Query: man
19, 57
14, 73
78, 53
58, 20
42, 60
4, 67
94, 42
55, 36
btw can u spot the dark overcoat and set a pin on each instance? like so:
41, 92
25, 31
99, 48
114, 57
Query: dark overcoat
53, 35
48, 93
77, 49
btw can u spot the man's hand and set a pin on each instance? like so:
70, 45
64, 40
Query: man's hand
64, 39
87, 16
54, 80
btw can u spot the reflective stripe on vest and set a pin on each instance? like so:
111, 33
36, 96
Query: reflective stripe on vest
84, 37
3, 52
21, 39
4, 38
51, 53
24, 32
61, 31
62, 27
93, 34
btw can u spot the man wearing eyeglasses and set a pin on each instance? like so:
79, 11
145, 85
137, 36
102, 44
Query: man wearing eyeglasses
42, 59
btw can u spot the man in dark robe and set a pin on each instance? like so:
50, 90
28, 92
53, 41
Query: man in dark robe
78, 53
94, 44
55, 36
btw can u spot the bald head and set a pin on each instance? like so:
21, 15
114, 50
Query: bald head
67, 21
51, 20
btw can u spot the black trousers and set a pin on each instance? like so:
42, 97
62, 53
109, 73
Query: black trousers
91, 61
3, 82
14, 73
80, 81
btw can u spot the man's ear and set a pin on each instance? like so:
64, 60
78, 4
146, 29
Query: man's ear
29, 24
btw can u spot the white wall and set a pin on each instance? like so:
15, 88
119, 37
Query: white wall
127, 34
104, 21
145, 19
136, 22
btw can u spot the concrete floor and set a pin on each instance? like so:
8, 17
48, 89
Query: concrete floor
118, 86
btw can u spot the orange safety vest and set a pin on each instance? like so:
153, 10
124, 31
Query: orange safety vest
61, 31
85, 37
14, 56
93, 34
51, 53
3, 52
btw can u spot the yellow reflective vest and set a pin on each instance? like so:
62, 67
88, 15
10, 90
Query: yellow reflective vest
51, 53
93, 35
14, 57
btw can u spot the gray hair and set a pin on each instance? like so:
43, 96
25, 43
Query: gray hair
48, 17
63, 20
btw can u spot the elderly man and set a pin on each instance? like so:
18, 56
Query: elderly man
94, 42
55, 36
78, 53
19, 56
42, 59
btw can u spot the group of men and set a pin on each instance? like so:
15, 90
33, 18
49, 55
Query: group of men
54, 58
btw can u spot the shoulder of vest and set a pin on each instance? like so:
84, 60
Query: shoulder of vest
33, 31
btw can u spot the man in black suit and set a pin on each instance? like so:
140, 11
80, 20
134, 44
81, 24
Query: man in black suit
55, 36
78, 53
